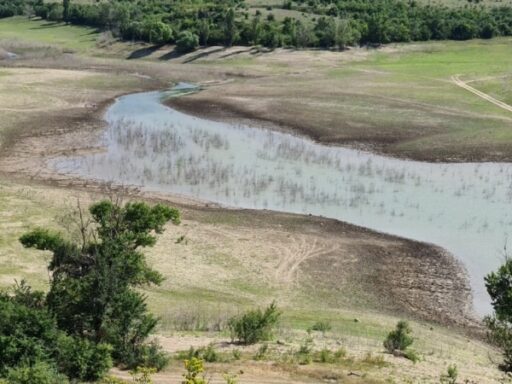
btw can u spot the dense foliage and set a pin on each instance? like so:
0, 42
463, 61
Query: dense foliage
499, 287
330, 23
34, 350
93, 315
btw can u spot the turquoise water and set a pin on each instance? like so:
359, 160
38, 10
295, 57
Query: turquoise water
464, 208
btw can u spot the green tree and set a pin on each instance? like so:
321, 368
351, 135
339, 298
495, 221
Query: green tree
94, 283
34, 350
255, 325
65, 9
399, 339
345, 34
229, 27
499, 287
187, 42
204, 31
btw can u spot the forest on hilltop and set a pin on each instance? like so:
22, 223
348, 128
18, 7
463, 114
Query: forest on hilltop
317, 23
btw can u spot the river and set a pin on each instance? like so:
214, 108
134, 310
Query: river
464, 208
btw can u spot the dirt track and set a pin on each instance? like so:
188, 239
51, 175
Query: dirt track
481, 94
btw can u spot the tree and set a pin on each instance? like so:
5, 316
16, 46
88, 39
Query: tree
345, 34
499, 287
399, 339
204, 31
65, 9
229, 27
34, 351
93, 288
254, 326
187, 42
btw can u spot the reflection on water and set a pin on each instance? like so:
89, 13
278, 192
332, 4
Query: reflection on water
464, 208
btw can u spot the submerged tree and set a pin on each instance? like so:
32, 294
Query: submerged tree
93, 292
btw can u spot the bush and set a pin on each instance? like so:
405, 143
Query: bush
255, 325
412, 355
55, 13
450, 377
261, 353
321, 326
81, 359
399, 339
39, 373
151, 356
195, 372
187, 42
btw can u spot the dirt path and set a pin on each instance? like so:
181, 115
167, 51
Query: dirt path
480, 94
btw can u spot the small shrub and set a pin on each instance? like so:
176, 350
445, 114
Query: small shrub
153, 356
304, 354
450, 377
321, 326
262, 352
399, 339
39, 373
210, 355
340, 353
142, 375
236, 354
325, 356
195, 372
377, 361
412, 355
255, 325
231, 379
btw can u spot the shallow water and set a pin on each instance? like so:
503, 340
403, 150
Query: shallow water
464, 208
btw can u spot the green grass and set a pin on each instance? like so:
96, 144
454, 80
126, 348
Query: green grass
68, 37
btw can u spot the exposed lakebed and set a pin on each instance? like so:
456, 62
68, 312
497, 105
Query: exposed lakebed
464, 208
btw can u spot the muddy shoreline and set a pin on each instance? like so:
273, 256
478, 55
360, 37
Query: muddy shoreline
218, 108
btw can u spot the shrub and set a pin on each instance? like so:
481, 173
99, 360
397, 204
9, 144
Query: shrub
325, 356
56, 13
412, 355
262, 352
450, 377
195, 372
372, 360
142, 375
255, 325
151, 355
321, 326
304, 353
210, 355
39, 373
187, 42
81, 359
399, 339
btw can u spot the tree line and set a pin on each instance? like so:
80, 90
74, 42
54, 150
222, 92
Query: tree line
319, 23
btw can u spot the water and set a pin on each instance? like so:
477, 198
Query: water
464, 208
